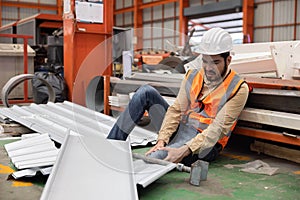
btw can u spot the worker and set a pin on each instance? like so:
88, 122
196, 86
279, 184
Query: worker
200, 121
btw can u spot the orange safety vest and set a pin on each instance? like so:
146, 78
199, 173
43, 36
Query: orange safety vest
201, 113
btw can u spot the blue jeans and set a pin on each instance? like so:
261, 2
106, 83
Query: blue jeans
145, 98
148, 98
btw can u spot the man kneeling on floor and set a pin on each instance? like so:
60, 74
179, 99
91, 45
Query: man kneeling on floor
199, 123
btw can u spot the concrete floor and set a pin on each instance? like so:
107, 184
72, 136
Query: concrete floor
12, 189
222, 183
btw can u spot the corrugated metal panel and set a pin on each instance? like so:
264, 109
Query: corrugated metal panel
84, 134
177, 10
157, 44
147, 1
146, 14
128, 18
128, 3
147, 31
25, 143
118, 4
298, 14
27, 12
197, 2
262, 35
177, 27
169, 28
157, 12
119, 20
169, 10
9, 12
146, 173
284, 12
157, 29
6, 22
58, 119
37, 151
283, 33
29, 1
259, 1
146, 44
31, 172
48, 11
48, 2
263, 15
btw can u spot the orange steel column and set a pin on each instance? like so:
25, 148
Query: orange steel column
248, 20
87, 51
183, 21
59, 7
138, 24
69, 32
0, 13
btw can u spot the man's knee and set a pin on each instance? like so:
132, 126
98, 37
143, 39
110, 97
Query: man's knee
146, 90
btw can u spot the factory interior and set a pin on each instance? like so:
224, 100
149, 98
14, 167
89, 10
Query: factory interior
74, 71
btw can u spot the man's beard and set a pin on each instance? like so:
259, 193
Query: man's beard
216, 75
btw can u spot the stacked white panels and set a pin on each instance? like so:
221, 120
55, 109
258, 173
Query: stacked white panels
39, 151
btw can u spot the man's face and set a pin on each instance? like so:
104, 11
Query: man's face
215, 66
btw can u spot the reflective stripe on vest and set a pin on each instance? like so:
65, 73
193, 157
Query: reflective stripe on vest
201, 113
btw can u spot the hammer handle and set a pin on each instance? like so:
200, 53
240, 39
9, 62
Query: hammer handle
179, 166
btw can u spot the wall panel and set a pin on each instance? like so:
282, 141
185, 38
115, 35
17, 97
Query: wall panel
147, 14
10, 13
157, 12
25, 8
128, 19
283, 33
157, 30
157, 44
119, 20
27, 12
284, 12
169, 10
128, 3
262, 35
262, 14
278, 17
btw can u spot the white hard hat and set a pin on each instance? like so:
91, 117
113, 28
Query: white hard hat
215, 41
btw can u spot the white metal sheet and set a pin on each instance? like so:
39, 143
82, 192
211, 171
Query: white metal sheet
31, 172
146, 173
38, 151
88, 144
274, 118
56, 119
85, 170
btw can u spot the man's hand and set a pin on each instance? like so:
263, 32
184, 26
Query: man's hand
159, 144
176, 155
